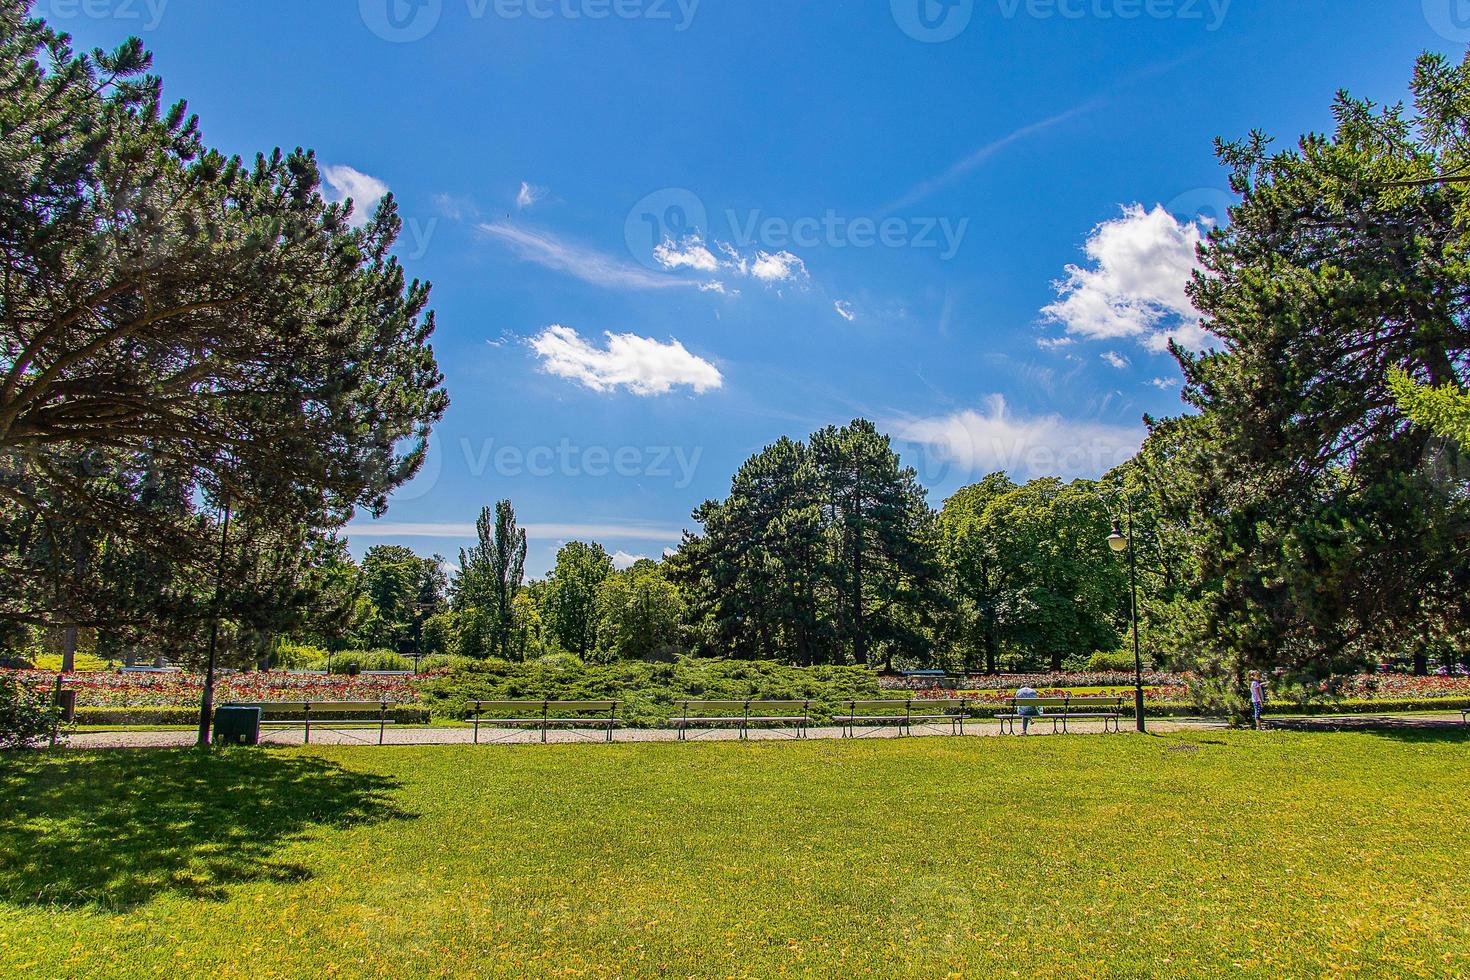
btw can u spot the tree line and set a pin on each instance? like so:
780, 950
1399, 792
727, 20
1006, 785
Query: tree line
206, 370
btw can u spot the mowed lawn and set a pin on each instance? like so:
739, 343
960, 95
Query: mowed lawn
1184, 855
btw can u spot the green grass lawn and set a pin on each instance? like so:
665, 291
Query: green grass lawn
1190, 855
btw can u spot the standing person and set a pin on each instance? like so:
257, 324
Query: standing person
1027, 711
1258, 698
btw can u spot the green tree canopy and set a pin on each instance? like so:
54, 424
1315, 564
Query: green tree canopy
173, 314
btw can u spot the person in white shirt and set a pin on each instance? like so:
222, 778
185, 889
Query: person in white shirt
1258, 698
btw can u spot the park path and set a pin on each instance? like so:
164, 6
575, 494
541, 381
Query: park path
416, 735
411, 735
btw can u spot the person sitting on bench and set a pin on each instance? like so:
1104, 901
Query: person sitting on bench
1027, 711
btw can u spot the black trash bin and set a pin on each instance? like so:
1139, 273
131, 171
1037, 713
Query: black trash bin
236, 724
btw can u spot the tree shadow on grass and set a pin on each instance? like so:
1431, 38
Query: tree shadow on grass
115, 830
1399, 729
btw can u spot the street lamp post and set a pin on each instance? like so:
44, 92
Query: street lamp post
1118, 542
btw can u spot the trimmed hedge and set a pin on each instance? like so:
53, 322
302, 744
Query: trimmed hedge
189, 715
178, 715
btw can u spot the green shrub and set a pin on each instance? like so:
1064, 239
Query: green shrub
26, 716
1112, 661
297, 656
356, 661
648, 690
441, 663
153, 715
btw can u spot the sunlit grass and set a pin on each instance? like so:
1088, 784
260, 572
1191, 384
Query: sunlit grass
1202, 854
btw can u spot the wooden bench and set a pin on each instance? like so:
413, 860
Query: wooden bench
304, 714
545, 714
1465, 716
740, 714
879, 714
1059, 710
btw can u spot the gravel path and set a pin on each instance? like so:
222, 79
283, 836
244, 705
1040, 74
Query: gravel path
409, 735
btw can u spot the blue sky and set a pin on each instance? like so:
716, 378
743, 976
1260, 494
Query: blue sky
663, 233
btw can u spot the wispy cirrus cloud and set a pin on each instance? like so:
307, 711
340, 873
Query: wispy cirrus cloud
974, 158
529, 194
609, 531
586, 264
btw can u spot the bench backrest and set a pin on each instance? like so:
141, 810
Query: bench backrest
1086, 701
1093, 701
303, 706
951, 705
691, 706
540, 707
1060, 702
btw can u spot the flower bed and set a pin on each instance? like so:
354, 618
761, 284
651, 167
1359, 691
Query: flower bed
101, 690
1010, 682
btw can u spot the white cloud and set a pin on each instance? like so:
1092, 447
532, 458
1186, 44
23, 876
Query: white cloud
693, 252
642, 365
689, 254
1114, 359
1135, 286
844, 310
586, 264
994, 438
621, 559
365, 191
1164, 384
778, 267
1055, 343
612, 531
528, 195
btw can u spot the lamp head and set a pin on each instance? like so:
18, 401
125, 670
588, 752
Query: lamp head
1116, 541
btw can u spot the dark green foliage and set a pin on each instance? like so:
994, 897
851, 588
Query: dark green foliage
640, 614
823, 553
490, 576
1030, 571
182, 327
26, 716
405, 591
569, 603
1324, 527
